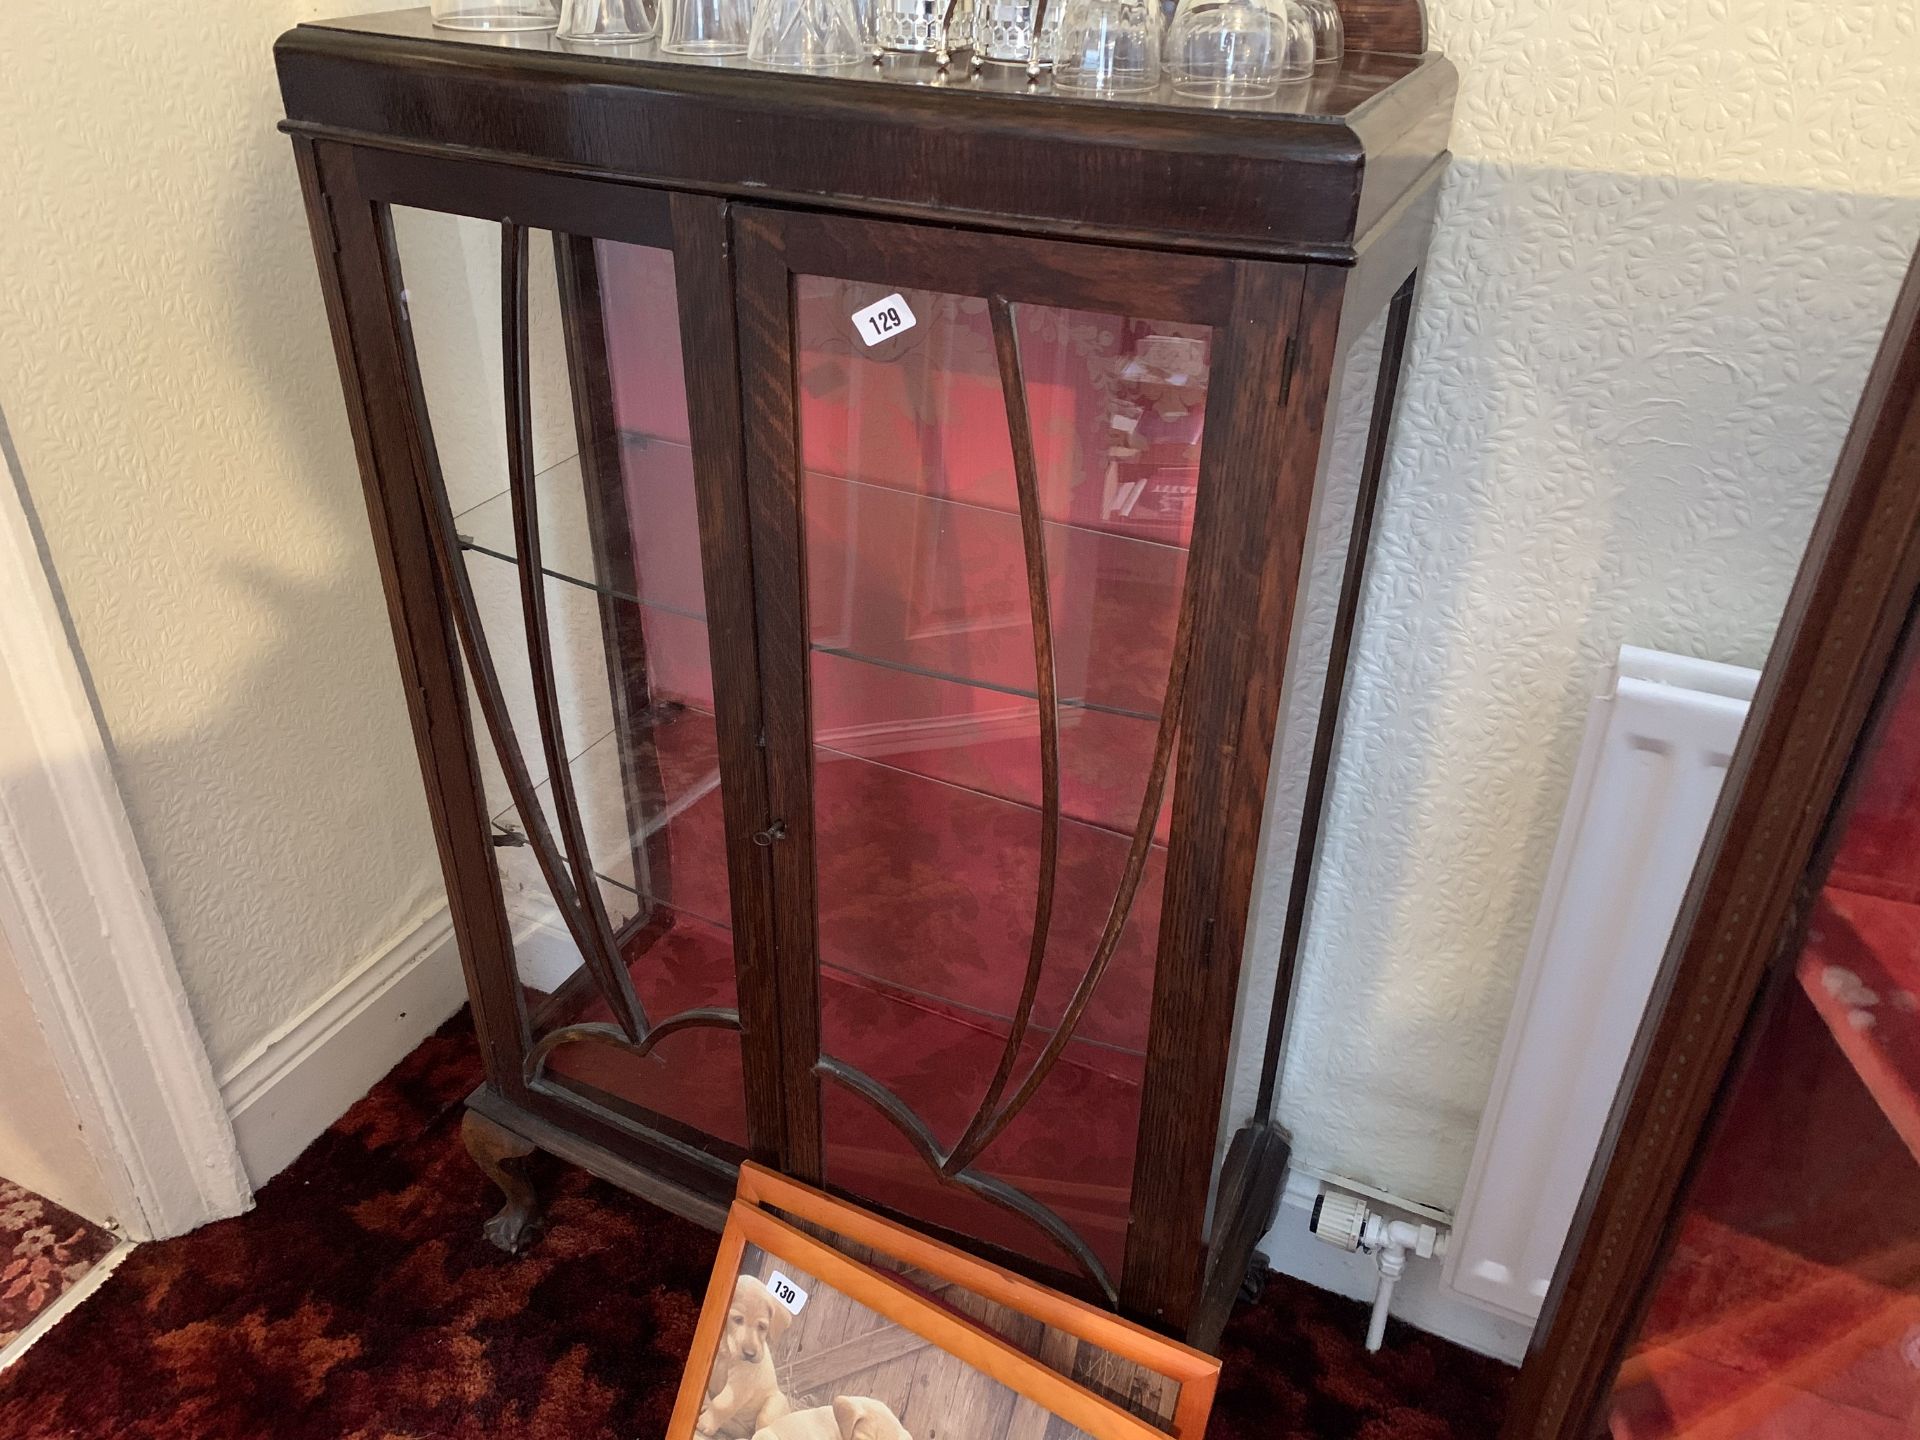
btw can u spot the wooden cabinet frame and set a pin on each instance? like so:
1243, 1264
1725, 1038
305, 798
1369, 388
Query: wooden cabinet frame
1323, 240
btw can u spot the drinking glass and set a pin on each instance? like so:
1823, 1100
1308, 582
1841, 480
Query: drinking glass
495, 14
1108, 47
704, 27
1003, 31
915, 26
805, 34
1329, 30
1223, 51
608, 21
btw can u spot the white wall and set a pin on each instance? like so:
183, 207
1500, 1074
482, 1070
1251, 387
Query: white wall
1666, 249
41, 1146
172, 395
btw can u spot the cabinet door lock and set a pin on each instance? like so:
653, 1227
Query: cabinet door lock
776, 831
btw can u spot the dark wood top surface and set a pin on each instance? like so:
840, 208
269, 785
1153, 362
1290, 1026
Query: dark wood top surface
1333, 95
1304, 174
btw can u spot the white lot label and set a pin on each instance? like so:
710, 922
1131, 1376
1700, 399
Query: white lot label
784, 1290
884, 319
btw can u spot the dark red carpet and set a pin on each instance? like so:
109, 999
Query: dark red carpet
359, 1300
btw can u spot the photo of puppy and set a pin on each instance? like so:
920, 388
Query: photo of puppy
796, 1359
849, 1417
743, 1393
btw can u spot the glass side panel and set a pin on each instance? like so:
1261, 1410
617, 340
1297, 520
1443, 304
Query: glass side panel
1790, 1306
927, 735
627, 654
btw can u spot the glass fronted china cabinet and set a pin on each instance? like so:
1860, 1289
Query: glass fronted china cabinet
852, 541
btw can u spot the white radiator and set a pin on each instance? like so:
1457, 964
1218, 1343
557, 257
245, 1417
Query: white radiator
1651, 766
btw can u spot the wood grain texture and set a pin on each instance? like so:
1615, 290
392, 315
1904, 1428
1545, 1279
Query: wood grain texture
1393, 27
1746, 909
773, 480
704, 271
1273, 370
385, 411
1195, 1372
1175, 176
540, 136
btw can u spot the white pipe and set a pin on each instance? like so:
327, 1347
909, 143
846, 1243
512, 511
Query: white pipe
1392, 1241
1382, 1303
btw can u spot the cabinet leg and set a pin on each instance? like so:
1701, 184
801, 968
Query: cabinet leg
1249, 1193
501, 1156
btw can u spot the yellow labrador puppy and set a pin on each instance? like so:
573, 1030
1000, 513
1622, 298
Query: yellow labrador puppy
850, 1417
743, 1395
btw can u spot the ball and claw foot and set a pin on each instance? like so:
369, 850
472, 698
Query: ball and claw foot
501, 1156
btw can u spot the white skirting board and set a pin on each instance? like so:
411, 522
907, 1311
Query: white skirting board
1420, 1298
282, 1097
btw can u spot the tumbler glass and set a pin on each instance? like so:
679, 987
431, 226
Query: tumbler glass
805, 34
1108, 47
495, 14
609, 21
1329, 30
1223, 51
704, 27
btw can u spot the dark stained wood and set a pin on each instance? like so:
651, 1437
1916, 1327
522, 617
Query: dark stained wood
703, 266
677, 1178
1745, 911
1033, 544
610, 538
1173, 175
501, 1156
1272, 372
1396, 27
1255, 1168
1332, 698
1147, 210
1021, 271
772, 467
383, 411
1250, 1181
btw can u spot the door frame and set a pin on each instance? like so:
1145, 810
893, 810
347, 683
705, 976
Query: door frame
1259, 466
78, 914
1746, 911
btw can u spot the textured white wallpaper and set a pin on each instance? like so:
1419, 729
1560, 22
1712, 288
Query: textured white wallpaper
1666, 249
165, 368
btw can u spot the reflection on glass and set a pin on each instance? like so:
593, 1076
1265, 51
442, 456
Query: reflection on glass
626, 645
926, 726
1791, 1304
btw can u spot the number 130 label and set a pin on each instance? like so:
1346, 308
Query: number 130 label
884, 319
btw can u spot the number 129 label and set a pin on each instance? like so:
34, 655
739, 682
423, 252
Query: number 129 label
884, 319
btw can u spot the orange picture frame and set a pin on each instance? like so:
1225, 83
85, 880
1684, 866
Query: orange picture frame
750, 1222
1196, 1372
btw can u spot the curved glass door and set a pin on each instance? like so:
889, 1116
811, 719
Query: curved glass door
591, 672
993, 605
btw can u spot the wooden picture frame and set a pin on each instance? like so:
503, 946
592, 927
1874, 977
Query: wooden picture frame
826, 1275
1193, 1373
